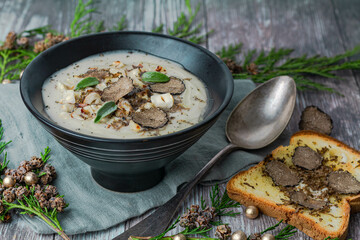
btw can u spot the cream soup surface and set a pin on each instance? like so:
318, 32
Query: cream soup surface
77, 109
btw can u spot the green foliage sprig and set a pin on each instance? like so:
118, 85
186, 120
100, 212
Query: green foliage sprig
121, 25
284, 233
184, 27
222, 203
3, 145
30, 205
277, 62
12, 62
46, 155
81, 23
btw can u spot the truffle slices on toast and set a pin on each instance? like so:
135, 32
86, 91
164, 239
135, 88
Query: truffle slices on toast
319, 208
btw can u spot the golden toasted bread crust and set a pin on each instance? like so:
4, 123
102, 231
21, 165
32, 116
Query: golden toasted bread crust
289, 214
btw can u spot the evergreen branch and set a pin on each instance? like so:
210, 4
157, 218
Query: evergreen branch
158, 29
167, 230
263, 66
184, 27
222, 203
32, 207
80, 24
195, 231
230, 51
285, 233
121, 25
46, 155
5, 162
12, 62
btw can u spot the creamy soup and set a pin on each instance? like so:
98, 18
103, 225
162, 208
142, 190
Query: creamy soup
147, 95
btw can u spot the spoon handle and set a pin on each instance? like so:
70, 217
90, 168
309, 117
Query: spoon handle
157, 222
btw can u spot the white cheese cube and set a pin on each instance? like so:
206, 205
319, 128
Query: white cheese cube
164, 101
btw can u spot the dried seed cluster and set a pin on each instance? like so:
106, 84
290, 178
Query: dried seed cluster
31, 177
223, 231
196, 218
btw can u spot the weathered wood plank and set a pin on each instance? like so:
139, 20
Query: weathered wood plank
310, 27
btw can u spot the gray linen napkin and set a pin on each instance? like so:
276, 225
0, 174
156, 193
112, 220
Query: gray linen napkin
92, 207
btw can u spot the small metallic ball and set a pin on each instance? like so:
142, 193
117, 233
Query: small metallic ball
179, 237
31, 178
21, 74
252, 212
9, 181
267, 236
238, 235
6, 81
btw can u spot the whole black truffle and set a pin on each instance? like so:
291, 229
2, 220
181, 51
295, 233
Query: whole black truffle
313, 118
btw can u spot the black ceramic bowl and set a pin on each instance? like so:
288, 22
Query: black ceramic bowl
128, 164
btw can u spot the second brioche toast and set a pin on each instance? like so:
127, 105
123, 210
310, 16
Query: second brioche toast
255, 187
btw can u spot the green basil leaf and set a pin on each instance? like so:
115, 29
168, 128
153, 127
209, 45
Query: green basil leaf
155, 77
87, 82
106, 109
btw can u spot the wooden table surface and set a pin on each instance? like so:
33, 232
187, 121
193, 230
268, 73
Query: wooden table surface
325, 27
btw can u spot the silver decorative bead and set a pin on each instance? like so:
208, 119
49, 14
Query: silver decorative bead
238, 235
267, 236
6, 81
252, 212
9, 181
179, 237
21, 74
30, 178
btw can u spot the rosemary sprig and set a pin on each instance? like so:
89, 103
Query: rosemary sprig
285, 233
264, 66
222, 203
81, 24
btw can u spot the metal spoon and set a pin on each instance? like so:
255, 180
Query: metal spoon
254, 123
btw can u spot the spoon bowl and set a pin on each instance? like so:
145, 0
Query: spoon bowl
263, 114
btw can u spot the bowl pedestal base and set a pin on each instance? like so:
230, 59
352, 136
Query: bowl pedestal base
128, 183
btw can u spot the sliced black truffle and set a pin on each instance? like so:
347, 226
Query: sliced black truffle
302, 199
117, 90
343, 182
97, 73
306, 158
150, 118
313, 118
174, 86
281, 174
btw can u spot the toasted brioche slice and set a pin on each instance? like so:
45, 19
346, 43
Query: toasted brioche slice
255, 187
